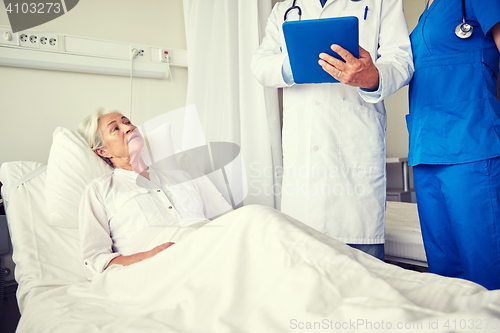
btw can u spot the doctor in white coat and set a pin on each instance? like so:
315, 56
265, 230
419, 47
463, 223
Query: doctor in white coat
334, 133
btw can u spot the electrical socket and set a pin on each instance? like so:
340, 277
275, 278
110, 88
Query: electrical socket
49, 41
144, 52
160, 55
7, 37
29, 39
165, 55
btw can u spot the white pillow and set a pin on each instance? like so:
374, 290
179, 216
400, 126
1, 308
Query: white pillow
46, 257
11, 172
71, 167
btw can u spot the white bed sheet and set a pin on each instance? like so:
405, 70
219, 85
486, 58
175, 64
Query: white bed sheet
403, 237
253, 270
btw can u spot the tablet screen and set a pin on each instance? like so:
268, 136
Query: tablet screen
306, 39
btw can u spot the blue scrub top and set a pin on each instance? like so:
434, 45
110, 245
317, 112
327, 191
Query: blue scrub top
454, 113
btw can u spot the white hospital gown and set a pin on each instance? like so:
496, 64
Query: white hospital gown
123, 213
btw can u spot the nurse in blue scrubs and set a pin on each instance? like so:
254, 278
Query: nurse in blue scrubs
454, 127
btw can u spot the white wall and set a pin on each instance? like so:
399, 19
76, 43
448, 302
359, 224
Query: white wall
397, 108
34, 102
397, 104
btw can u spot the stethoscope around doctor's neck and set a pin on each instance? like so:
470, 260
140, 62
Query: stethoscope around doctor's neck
299, 10
463, 30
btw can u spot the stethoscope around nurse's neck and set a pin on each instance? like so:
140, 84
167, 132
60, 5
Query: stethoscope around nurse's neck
299, 10
464, 29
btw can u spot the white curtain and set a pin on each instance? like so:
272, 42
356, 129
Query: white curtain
222, 36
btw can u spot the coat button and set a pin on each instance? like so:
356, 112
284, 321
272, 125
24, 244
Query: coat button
158, 191
169, 207
315, 148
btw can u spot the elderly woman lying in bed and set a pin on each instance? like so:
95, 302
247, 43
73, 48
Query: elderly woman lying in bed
136, 212
251, 270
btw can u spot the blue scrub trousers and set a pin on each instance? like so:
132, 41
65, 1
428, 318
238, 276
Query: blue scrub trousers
459, 210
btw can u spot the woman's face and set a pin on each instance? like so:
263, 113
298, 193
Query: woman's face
121, 139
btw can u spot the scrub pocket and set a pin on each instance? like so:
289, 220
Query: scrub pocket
362, 138
409, 122
135, 210
459, 131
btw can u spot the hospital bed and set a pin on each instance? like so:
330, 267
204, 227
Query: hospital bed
252, 270
403, 238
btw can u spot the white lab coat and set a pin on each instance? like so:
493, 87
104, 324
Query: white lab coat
333, 134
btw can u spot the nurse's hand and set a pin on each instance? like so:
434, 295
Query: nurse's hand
360, 72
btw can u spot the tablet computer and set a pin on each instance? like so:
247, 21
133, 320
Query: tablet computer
306, 39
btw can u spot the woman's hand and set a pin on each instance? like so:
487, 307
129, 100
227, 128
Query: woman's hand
360, 72
495, 32
133, 258
159, 248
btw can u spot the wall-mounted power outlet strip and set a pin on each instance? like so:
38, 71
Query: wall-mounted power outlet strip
48, 41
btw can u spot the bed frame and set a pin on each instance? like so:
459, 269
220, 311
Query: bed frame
403, 237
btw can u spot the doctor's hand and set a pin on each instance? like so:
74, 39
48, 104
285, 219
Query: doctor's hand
360, 72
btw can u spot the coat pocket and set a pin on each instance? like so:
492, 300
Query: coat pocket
362, 138
368, 36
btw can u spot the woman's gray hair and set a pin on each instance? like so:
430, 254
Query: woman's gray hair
89, 129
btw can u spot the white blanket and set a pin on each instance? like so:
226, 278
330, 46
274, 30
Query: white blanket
257, 270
